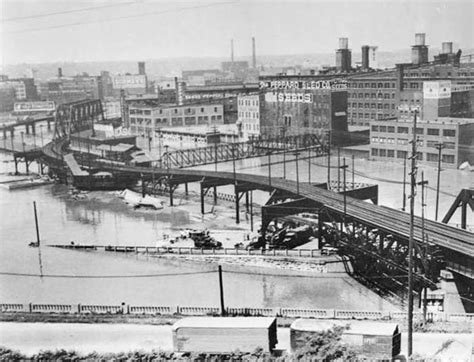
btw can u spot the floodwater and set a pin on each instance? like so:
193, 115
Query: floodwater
102, 218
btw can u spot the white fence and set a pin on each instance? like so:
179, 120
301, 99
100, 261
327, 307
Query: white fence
233, 311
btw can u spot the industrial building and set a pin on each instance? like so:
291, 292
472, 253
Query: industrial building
398, 92
390, 140
249, 107
148, 119
303, 104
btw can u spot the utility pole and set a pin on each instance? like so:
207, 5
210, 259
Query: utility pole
251, 210
297, 174
423, 205
338, 169
404, 183
353, 171
221, 291
329, 159
36, 224
410, 240
309, 165
439, 147
269, 169
344, 166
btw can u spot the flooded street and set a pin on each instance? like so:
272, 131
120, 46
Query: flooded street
103, 219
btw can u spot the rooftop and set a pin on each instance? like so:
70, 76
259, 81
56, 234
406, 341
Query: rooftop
224, 322
355, 327
440, 120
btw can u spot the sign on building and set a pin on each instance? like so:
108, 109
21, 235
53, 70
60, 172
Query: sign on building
47, 106
129, 81
437, 89
304, 85
288, 97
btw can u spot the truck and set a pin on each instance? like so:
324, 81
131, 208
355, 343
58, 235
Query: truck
221, 335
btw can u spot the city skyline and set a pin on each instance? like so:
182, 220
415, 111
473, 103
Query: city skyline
51, 31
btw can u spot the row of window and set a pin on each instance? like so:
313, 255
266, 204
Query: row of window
252, 127
379, 95
249, 102
430, 157
400, 129
188, 120
378, 116
372, 105
175, 111
254, 115
404, 141
372, 85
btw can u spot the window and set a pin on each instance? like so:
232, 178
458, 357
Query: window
375, 128
383, 128
391, 153
202, 110
375, 152
401, 154
432, 157
418, 130
449, 145
448, 158
375, 140
215, 109
147, 112
419, 156
431, 143
382, 139
391, 140
449, 132
383, 153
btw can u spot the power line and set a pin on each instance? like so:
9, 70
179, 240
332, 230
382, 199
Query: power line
103, 276
122, 17
65, 12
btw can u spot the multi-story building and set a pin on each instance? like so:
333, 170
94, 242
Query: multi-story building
221, 94
130, 83
148, 119
303, 104
7, 98
394, 93
390, 140
248, 122
69, 89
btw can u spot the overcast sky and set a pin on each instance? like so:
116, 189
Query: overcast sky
146, 29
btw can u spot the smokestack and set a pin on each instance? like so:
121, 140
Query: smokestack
232, 50
447, 47
343, 56
179, 92
60, 72
365, 57
141, 68
419, 51
254, 56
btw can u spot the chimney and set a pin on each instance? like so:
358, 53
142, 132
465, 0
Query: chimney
60, 72
254, 56
447, 47
365, 57
343, 56
419, 51
141, 68
232, 50
179, 92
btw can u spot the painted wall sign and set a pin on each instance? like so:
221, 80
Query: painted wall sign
289, 97
305, 85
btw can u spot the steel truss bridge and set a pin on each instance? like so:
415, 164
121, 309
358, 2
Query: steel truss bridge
224, 152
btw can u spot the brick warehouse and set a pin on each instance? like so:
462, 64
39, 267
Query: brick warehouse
303, 104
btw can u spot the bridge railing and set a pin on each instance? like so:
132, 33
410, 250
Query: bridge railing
124, 308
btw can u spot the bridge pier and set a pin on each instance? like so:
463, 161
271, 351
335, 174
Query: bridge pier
12, 132
27, 129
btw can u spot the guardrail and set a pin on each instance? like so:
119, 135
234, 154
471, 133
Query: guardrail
300, 253
233, 311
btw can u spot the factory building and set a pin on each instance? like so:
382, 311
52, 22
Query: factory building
303, 104
390, 140
149, 119
397, 92
249, 108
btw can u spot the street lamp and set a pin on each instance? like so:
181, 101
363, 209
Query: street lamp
439, 147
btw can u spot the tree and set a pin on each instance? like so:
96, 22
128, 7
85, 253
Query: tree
326, 345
